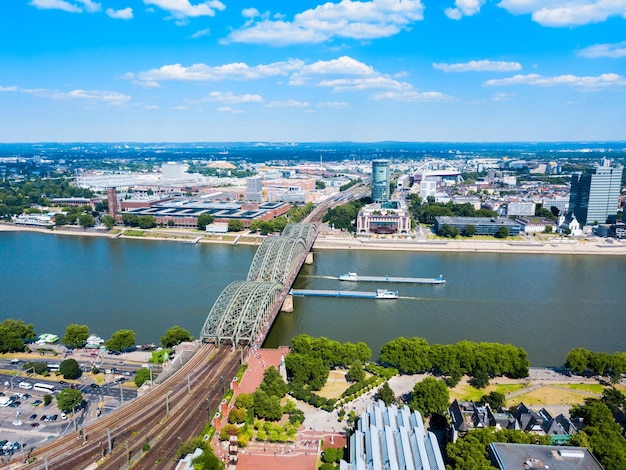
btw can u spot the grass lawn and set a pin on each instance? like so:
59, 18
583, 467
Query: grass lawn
546, 396
592, 388
336, 384
465, 392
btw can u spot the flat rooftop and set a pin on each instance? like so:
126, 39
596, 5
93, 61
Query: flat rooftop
535, 457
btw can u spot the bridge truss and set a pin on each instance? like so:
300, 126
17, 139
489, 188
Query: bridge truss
245, 310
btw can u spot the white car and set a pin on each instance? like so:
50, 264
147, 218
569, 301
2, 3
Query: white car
17, 423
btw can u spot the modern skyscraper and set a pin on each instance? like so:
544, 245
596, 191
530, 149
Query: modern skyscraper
380, 181
594, 195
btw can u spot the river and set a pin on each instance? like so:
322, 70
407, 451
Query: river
545, 304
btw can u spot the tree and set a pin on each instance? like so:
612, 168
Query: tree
469, 231
70, 369
503, 232
68, 399
204, 220
175, 335
108, 221
494, 399
430, 396
385, 393
47, 399
319, 184
38, 367
146, 221
75, 335
121, 339
86, 220
207, 461
235, 226
142, 376
13, 334
577, 360
356, 372
273, 384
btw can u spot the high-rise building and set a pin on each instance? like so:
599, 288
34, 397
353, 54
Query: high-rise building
112, 200
380, 181
594, 194
254, 189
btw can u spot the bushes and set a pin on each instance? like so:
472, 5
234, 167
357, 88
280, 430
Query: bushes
311, 398
357, 387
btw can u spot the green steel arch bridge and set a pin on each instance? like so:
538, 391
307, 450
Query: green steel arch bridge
245, 310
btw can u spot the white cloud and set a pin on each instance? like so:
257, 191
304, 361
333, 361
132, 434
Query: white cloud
615, 51
183, 9
357, 84
56, 5
203, 72
341, 66
107, 97
479, 66
228, 109
565, 13
605, 80
89, 6
346, 19
123, 14
202, 32
333, 104
287, 104
230, 97
151, 106
411, 95
8, 88
179, 108
464, 8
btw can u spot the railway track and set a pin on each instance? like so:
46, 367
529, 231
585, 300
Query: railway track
146, 420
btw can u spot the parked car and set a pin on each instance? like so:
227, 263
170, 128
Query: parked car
43, 418
36, 403
17, 422
34, 425
33, 417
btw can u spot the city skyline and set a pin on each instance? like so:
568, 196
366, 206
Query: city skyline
404, 70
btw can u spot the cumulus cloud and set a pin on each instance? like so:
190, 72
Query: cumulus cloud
230, 97
202, 32
70, 7
287, 104
479, 66
183, 9
411, 95
228, 109
566, 13
341, 66
605, 80
464, 8
615, 51
333, 104
203, 72
346, 19
108, 97
123, 14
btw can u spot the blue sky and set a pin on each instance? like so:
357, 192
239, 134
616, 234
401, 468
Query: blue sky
220, 70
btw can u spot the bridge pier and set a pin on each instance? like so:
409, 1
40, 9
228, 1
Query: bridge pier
309, 258
287, 304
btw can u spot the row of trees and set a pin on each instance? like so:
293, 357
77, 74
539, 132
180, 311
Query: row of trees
342, 217
14, 335
18, 196
311, 359
426, 211
580, 360
480, 360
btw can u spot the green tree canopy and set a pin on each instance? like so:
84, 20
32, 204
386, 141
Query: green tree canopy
121, 339
142, 376
75, 335
430, 396
236, 226
494, 399
273, 384
146, 221
503, 232
385, 393
175, 335
86, 220
70, 369
69, 398
356, 372
108, 221
13, 335
204, 220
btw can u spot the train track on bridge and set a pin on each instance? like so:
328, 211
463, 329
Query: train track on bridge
190, 395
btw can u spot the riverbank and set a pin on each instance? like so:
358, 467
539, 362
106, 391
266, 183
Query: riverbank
346, 241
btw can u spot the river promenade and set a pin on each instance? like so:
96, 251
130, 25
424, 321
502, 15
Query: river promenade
345, 241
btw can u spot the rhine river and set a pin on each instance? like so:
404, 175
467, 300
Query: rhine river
545, 304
